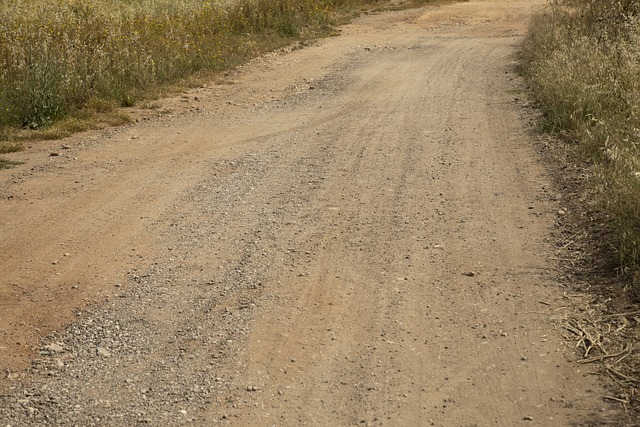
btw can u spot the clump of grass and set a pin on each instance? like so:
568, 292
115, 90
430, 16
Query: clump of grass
582, 61
10, 147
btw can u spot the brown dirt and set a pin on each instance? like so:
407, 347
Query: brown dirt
356, 232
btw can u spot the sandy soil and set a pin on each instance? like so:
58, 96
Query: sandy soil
352, 233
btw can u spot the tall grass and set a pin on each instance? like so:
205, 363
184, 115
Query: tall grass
582, 61
58, 55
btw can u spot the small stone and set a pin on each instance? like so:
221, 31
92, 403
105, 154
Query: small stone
103, 352
252, 388
54, 348
469, 273
527, 418
183, 411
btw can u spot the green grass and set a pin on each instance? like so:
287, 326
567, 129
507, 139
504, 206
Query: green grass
581, 59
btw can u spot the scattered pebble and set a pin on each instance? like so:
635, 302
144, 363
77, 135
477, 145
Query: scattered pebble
54, 348
103, 352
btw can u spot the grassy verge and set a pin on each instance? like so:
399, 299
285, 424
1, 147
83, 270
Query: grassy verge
59, 55
64, 61
582, 61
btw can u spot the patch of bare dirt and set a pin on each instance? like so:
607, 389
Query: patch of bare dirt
358, 232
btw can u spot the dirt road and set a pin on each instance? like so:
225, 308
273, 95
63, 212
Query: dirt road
353, 233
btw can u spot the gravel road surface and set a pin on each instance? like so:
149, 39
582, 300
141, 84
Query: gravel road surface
352, 232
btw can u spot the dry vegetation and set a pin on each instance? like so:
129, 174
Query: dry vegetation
58, 56
582, 59
68, 65
582, 62
66, 61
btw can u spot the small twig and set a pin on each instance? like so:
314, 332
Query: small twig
626, 402
573, 330
614, 379
622, 358
621, 375
544, 302
586, 340
624, 352
628, 313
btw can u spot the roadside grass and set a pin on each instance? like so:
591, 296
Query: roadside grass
57, 55
581, 59
62, 61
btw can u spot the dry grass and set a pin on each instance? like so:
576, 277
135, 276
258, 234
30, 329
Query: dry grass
59, 57
582, 60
